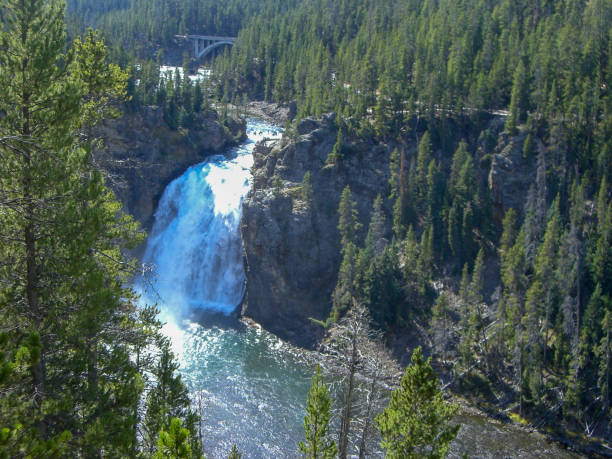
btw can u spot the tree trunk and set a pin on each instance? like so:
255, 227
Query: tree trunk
346, 415
29, 236
366, 425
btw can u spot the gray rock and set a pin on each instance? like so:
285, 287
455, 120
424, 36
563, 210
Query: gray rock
141, 154
291, 247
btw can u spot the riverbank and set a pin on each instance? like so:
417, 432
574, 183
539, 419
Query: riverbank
482, 435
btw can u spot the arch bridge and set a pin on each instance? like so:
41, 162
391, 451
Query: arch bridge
204, 44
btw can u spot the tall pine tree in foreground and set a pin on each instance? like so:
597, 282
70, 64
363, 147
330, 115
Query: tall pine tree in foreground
71, 374
416, 422
316, 422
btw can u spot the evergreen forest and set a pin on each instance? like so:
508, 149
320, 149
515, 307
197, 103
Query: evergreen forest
512, 300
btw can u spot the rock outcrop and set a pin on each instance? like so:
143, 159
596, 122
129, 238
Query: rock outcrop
141, 154
511, 174
291, 246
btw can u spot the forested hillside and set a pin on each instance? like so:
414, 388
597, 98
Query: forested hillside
513, 292
145, 25
400, 70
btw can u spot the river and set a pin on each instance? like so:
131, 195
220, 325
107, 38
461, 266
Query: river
253, 387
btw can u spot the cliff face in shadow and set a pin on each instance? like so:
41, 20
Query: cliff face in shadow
292, 245
142, 154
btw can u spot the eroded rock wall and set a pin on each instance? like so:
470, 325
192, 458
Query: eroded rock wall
291, 246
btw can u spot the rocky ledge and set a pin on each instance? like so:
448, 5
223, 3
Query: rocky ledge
141, 154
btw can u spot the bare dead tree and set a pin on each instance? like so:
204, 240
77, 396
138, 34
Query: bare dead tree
355, 352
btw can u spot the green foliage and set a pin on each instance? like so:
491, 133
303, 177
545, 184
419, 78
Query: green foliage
336, 154
528, 147
348, 223
440, 324
377, 227
69, 379
234, 453
316, 422
382, 291
167, 400
423, 159
518, 98
395, 174
345, 291
352, 57
386, 67
306, 189
173, 443
416, 422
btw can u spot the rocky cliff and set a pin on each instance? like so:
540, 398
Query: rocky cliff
141, 154
292, 246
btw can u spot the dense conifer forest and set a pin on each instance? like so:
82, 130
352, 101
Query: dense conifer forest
431, 74
400, 69
84, 371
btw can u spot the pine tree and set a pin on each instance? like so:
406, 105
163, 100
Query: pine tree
62, 275
416, 422
348, 223
519, 98
234, 453
344, 293
174, 442
411, 267
316, 422
394, 172
167, 400
376, 229
440, 325
306, 189
422, 164
476, 287
382, 115
399, 218
603, 353
336, 154
383, 291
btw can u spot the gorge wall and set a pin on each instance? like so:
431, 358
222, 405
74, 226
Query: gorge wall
292, 246
142, 154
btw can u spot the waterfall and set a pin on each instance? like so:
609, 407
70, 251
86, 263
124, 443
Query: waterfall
194, 247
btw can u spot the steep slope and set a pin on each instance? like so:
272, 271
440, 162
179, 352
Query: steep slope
292, 246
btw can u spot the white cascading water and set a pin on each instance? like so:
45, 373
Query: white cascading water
247, 379
194, 247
